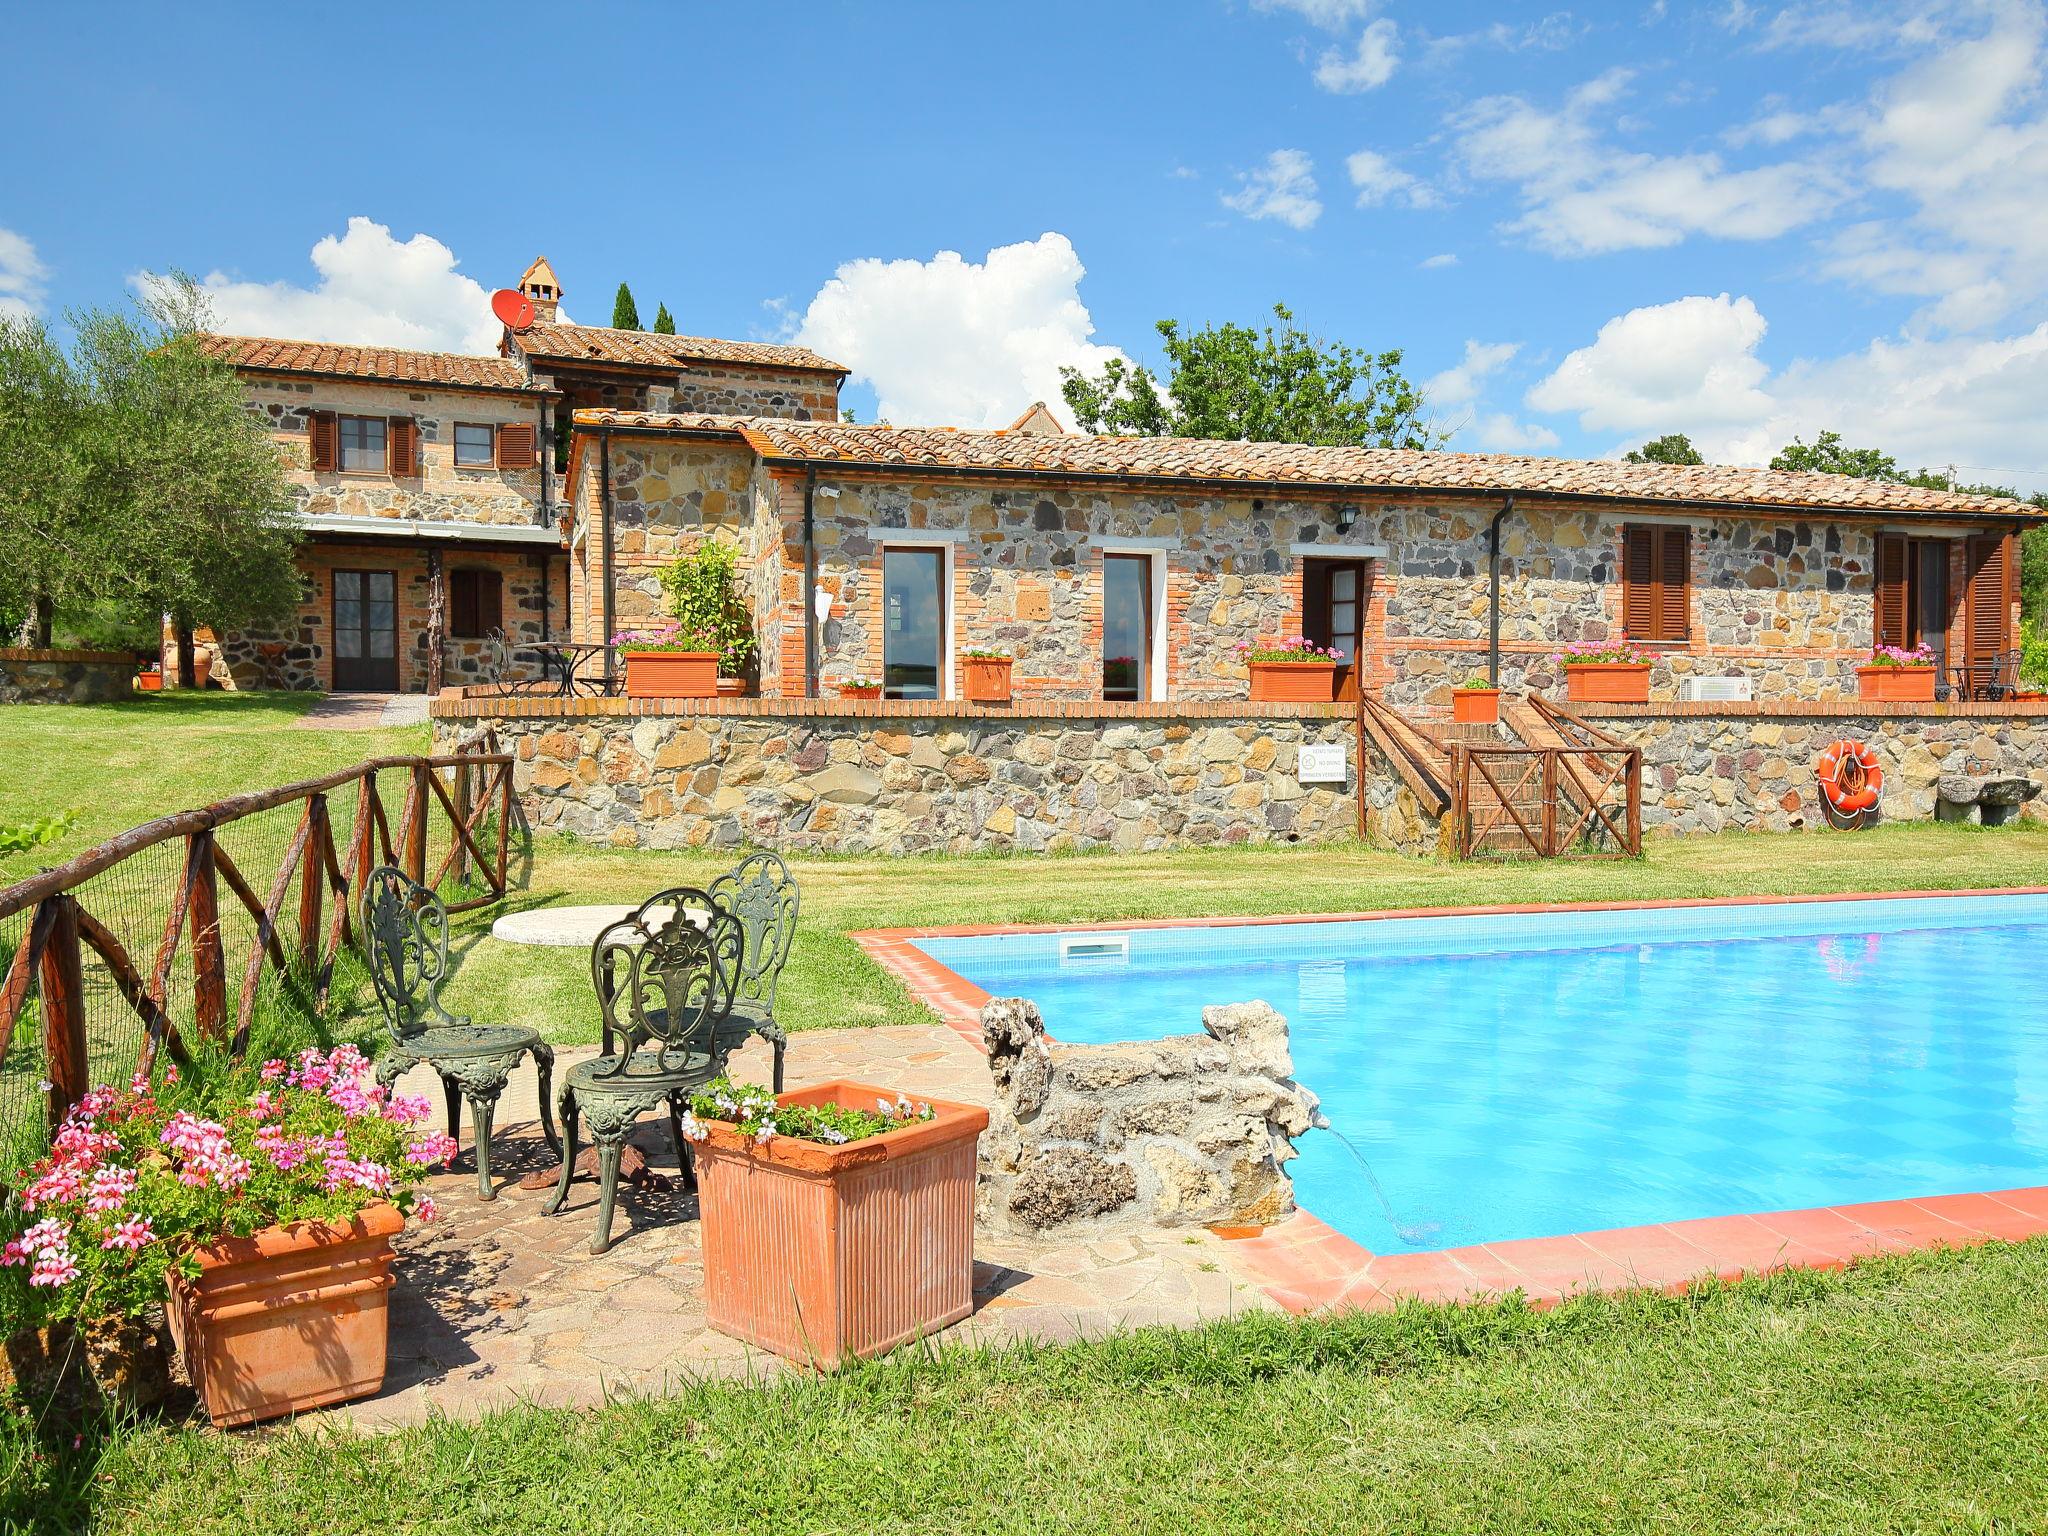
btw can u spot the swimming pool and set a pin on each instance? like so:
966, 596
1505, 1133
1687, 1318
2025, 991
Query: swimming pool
1535, 1074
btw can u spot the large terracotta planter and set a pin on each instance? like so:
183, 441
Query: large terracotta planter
150, 682
1475, 706
1608, 682
1896, 685
1293, 682
295, 1317
986, 680
671, 674
823, 1253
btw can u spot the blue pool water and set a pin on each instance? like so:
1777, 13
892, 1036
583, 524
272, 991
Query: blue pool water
1531, 1075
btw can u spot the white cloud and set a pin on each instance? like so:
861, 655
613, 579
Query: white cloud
955, 342
1439, 261
1377, 180
1692, 366
1330, 15
21, 275
1284, 188
1498, 432
1583, 195
1368, 66
371, 289
1547, 34
1460, 385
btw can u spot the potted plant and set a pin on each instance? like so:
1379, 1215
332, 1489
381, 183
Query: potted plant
838, 1220
1476, 701
860, 688
666, 661
1897, 675
704, 599
1605, 672
150, 679
1296, 671
986, 677
262, 1221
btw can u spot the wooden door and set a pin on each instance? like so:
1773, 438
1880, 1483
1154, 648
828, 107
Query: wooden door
365, 631
1333, 599
1987, 618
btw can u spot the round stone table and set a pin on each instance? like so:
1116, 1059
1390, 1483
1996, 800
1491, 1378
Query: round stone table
559, 927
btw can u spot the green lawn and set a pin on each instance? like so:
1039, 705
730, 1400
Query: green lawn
1906, 1395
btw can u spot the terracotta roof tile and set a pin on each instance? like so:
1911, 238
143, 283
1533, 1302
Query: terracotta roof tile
647, 349
385, 365
1361, 469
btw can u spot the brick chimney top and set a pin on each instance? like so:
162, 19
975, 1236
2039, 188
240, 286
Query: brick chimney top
540, 284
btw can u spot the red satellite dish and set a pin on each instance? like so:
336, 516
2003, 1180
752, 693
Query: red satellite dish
512, 307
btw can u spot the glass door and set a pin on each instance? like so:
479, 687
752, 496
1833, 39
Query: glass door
1333, 607
365, 631
913, 623
1126, 626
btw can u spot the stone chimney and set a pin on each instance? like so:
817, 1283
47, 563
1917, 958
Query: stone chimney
540, 284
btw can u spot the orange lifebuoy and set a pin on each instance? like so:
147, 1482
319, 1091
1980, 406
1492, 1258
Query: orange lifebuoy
1850, 778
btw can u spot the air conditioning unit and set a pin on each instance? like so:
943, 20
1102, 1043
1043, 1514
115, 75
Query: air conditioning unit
1715, 690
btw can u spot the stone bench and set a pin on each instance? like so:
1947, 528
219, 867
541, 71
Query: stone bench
1993, 801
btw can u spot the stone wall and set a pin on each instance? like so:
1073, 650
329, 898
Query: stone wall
440, 492
1707, 768
912, 778
1785, 603
735, 391
1186, 1131
64, 677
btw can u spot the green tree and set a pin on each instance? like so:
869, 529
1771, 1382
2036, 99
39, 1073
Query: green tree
1233, 383
157, 491
625, 314
664, 322
1827, 455
1671, 448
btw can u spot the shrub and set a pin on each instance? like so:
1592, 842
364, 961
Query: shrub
703, 595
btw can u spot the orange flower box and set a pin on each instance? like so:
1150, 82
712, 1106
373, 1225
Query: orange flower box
1293, 682
860, 690
822, 1253
671, 674
986, 679
1475, 706
294, 1317
150, 682
1608, 682
1895, 685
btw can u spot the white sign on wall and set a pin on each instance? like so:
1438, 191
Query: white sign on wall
1321, 763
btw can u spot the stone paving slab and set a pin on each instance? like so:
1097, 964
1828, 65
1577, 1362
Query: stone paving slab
497, 1303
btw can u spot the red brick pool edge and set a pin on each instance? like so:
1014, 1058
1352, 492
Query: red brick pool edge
1305, 1265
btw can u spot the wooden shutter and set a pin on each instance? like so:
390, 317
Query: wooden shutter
490, 602
462, 614
1892, 556
321, 432
515, 445
402, 447
1315, 600
1656, 582
1989, 599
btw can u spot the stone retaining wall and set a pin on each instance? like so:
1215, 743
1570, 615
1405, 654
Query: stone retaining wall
1707, 768
913, 778
1181, 1132
64, 677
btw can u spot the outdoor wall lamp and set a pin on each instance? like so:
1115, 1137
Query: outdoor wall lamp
1347, 515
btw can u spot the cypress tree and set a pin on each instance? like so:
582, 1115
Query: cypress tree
664, 322
625, 314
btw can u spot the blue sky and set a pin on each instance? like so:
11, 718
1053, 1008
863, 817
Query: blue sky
1584, 226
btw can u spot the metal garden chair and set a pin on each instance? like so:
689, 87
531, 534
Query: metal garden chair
665, 978
405, 928
762, 894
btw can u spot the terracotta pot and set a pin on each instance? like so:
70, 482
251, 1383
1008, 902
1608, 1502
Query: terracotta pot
1896, 685
986, 680
732, 687
1475, 706
848, 691
671, 674
1607, 682
150, 682
823, 1253
1293, 682
292, 1318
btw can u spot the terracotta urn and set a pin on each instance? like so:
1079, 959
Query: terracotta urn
294, 1317
671, 674
1475, 706
1293, 682
986, 679
1896, 685
824, 1253
1607, 682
